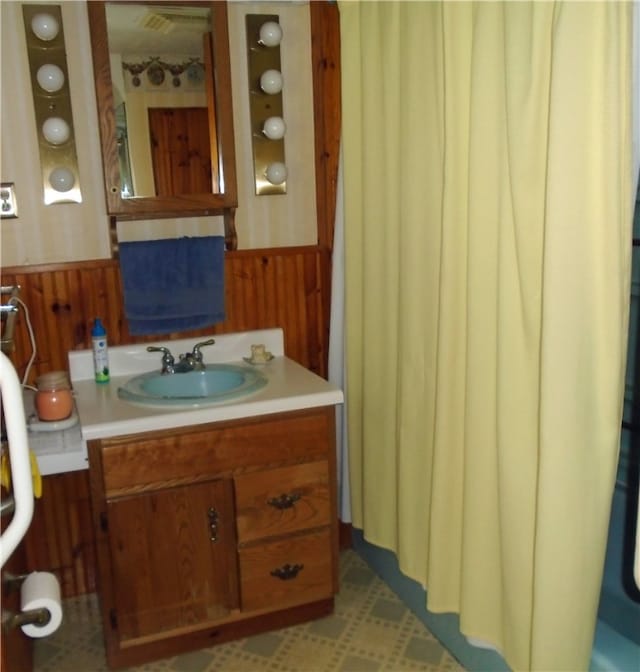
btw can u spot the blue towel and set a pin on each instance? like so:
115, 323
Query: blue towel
173, 285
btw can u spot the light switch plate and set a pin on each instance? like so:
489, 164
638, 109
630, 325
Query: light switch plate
8, 202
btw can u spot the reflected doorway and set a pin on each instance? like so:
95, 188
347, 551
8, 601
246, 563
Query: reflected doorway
180, 150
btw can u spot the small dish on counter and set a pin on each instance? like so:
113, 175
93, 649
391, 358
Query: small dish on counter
259, 360
34, 424
259, 355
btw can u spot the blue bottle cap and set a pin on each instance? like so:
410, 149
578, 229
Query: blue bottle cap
98, 328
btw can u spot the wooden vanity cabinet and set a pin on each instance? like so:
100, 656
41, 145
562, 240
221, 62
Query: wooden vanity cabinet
214, 532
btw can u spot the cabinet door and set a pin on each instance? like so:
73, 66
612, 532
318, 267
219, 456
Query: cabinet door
173, 558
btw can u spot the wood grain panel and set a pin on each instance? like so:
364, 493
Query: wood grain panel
310, 554
183, 578
263, 289
180, 150
145, 462
327, 96
266, 508
60, 539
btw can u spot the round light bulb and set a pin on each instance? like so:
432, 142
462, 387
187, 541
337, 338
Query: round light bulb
50, 77
270, 34
271, 82
61, 179
45, 27
274, 128
276, 173
56, 130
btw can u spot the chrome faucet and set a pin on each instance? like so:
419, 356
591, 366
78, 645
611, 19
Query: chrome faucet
167, 358
191, 361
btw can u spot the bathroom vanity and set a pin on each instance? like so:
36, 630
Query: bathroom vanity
212, 522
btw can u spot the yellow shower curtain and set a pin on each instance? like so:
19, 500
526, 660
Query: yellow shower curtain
487, 155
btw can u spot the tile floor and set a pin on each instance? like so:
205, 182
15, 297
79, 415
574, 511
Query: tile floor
370, 631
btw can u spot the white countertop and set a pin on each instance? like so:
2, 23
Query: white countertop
103, 414
289, 387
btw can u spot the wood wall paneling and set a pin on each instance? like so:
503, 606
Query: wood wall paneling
327, 96
263, 288
282, 287
60, 539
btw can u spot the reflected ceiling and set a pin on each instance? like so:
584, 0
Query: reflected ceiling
144, 29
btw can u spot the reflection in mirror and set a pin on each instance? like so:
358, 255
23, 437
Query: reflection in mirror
163, 90
157, 56
122, 140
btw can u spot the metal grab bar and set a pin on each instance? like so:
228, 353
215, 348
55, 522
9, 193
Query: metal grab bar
13, 408
8, 312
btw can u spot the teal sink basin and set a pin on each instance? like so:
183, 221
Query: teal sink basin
217, 383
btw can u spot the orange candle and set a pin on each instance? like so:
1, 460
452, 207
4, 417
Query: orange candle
53, 400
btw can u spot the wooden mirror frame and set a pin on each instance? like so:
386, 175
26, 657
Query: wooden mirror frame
151, 207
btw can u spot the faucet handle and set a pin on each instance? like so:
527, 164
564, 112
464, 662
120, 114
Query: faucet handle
196, 349
153, 348
167, 358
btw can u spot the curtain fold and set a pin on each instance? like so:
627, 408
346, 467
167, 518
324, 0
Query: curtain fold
337, 364
487, 159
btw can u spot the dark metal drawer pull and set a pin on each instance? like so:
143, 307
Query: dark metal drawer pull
287, 572
284, 501
212, 515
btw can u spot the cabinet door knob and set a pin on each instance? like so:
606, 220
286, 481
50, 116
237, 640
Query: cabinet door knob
287, 572
212, 515
285, 501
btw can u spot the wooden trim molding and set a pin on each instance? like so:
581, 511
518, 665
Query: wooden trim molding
325, 59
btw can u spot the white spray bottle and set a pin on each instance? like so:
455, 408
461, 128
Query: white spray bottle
100, 352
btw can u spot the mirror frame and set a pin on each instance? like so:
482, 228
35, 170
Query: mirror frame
150, 207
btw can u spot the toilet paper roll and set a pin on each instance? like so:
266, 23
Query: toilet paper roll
41, 589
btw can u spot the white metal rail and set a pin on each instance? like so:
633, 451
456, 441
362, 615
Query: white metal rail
22, 485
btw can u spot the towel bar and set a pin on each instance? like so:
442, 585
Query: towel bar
230, 235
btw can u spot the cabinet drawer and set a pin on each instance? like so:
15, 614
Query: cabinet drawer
286, 572
153, 460
280, 501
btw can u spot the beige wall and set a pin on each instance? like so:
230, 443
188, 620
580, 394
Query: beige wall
74, 232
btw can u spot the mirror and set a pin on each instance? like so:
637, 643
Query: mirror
163, 88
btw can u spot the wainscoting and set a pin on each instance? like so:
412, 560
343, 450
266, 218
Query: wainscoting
283, 287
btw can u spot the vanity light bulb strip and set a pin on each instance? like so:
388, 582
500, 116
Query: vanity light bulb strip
52, 103
266, 83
